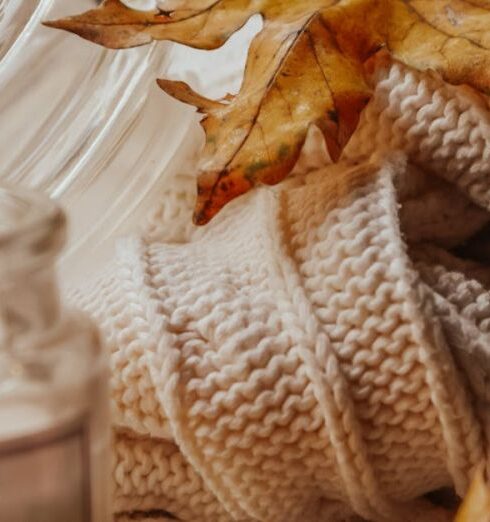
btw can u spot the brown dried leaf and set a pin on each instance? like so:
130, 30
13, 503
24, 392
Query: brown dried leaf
305, 67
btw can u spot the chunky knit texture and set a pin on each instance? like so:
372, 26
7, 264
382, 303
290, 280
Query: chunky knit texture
316, 353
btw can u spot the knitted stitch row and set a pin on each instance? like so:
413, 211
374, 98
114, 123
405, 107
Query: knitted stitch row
296, 360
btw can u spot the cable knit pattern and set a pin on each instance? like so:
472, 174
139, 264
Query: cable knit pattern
315, 354
152, 472
463, 305
361, 238
441, 127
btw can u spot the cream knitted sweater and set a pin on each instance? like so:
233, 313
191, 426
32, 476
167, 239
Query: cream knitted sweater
318, 353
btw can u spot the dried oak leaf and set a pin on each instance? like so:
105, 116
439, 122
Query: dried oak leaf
306, 66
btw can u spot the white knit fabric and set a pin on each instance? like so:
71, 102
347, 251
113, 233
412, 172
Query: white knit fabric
314, 354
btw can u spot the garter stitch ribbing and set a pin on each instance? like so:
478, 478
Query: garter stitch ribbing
314, 354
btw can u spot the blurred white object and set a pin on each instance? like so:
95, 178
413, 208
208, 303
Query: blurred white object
54, 400
90, 126
141, 5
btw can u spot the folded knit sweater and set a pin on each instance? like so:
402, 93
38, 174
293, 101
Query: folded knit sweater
319, 352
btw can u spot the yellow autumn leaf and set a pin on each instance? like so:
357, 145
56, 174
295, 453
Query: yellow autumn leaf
306, 67
476, 505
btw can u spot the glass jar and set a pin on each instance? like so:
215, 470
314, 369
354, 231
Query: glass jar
54, 414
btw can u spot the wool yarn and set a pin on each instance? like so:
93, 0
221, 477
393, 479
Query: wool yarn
317, 353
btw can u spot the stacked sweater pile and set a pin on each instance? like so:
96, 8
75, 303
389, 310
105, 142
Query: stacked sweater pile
319, 352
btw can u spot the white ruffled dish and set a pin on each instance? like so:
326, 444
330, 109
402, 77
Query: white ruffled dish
90, 126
